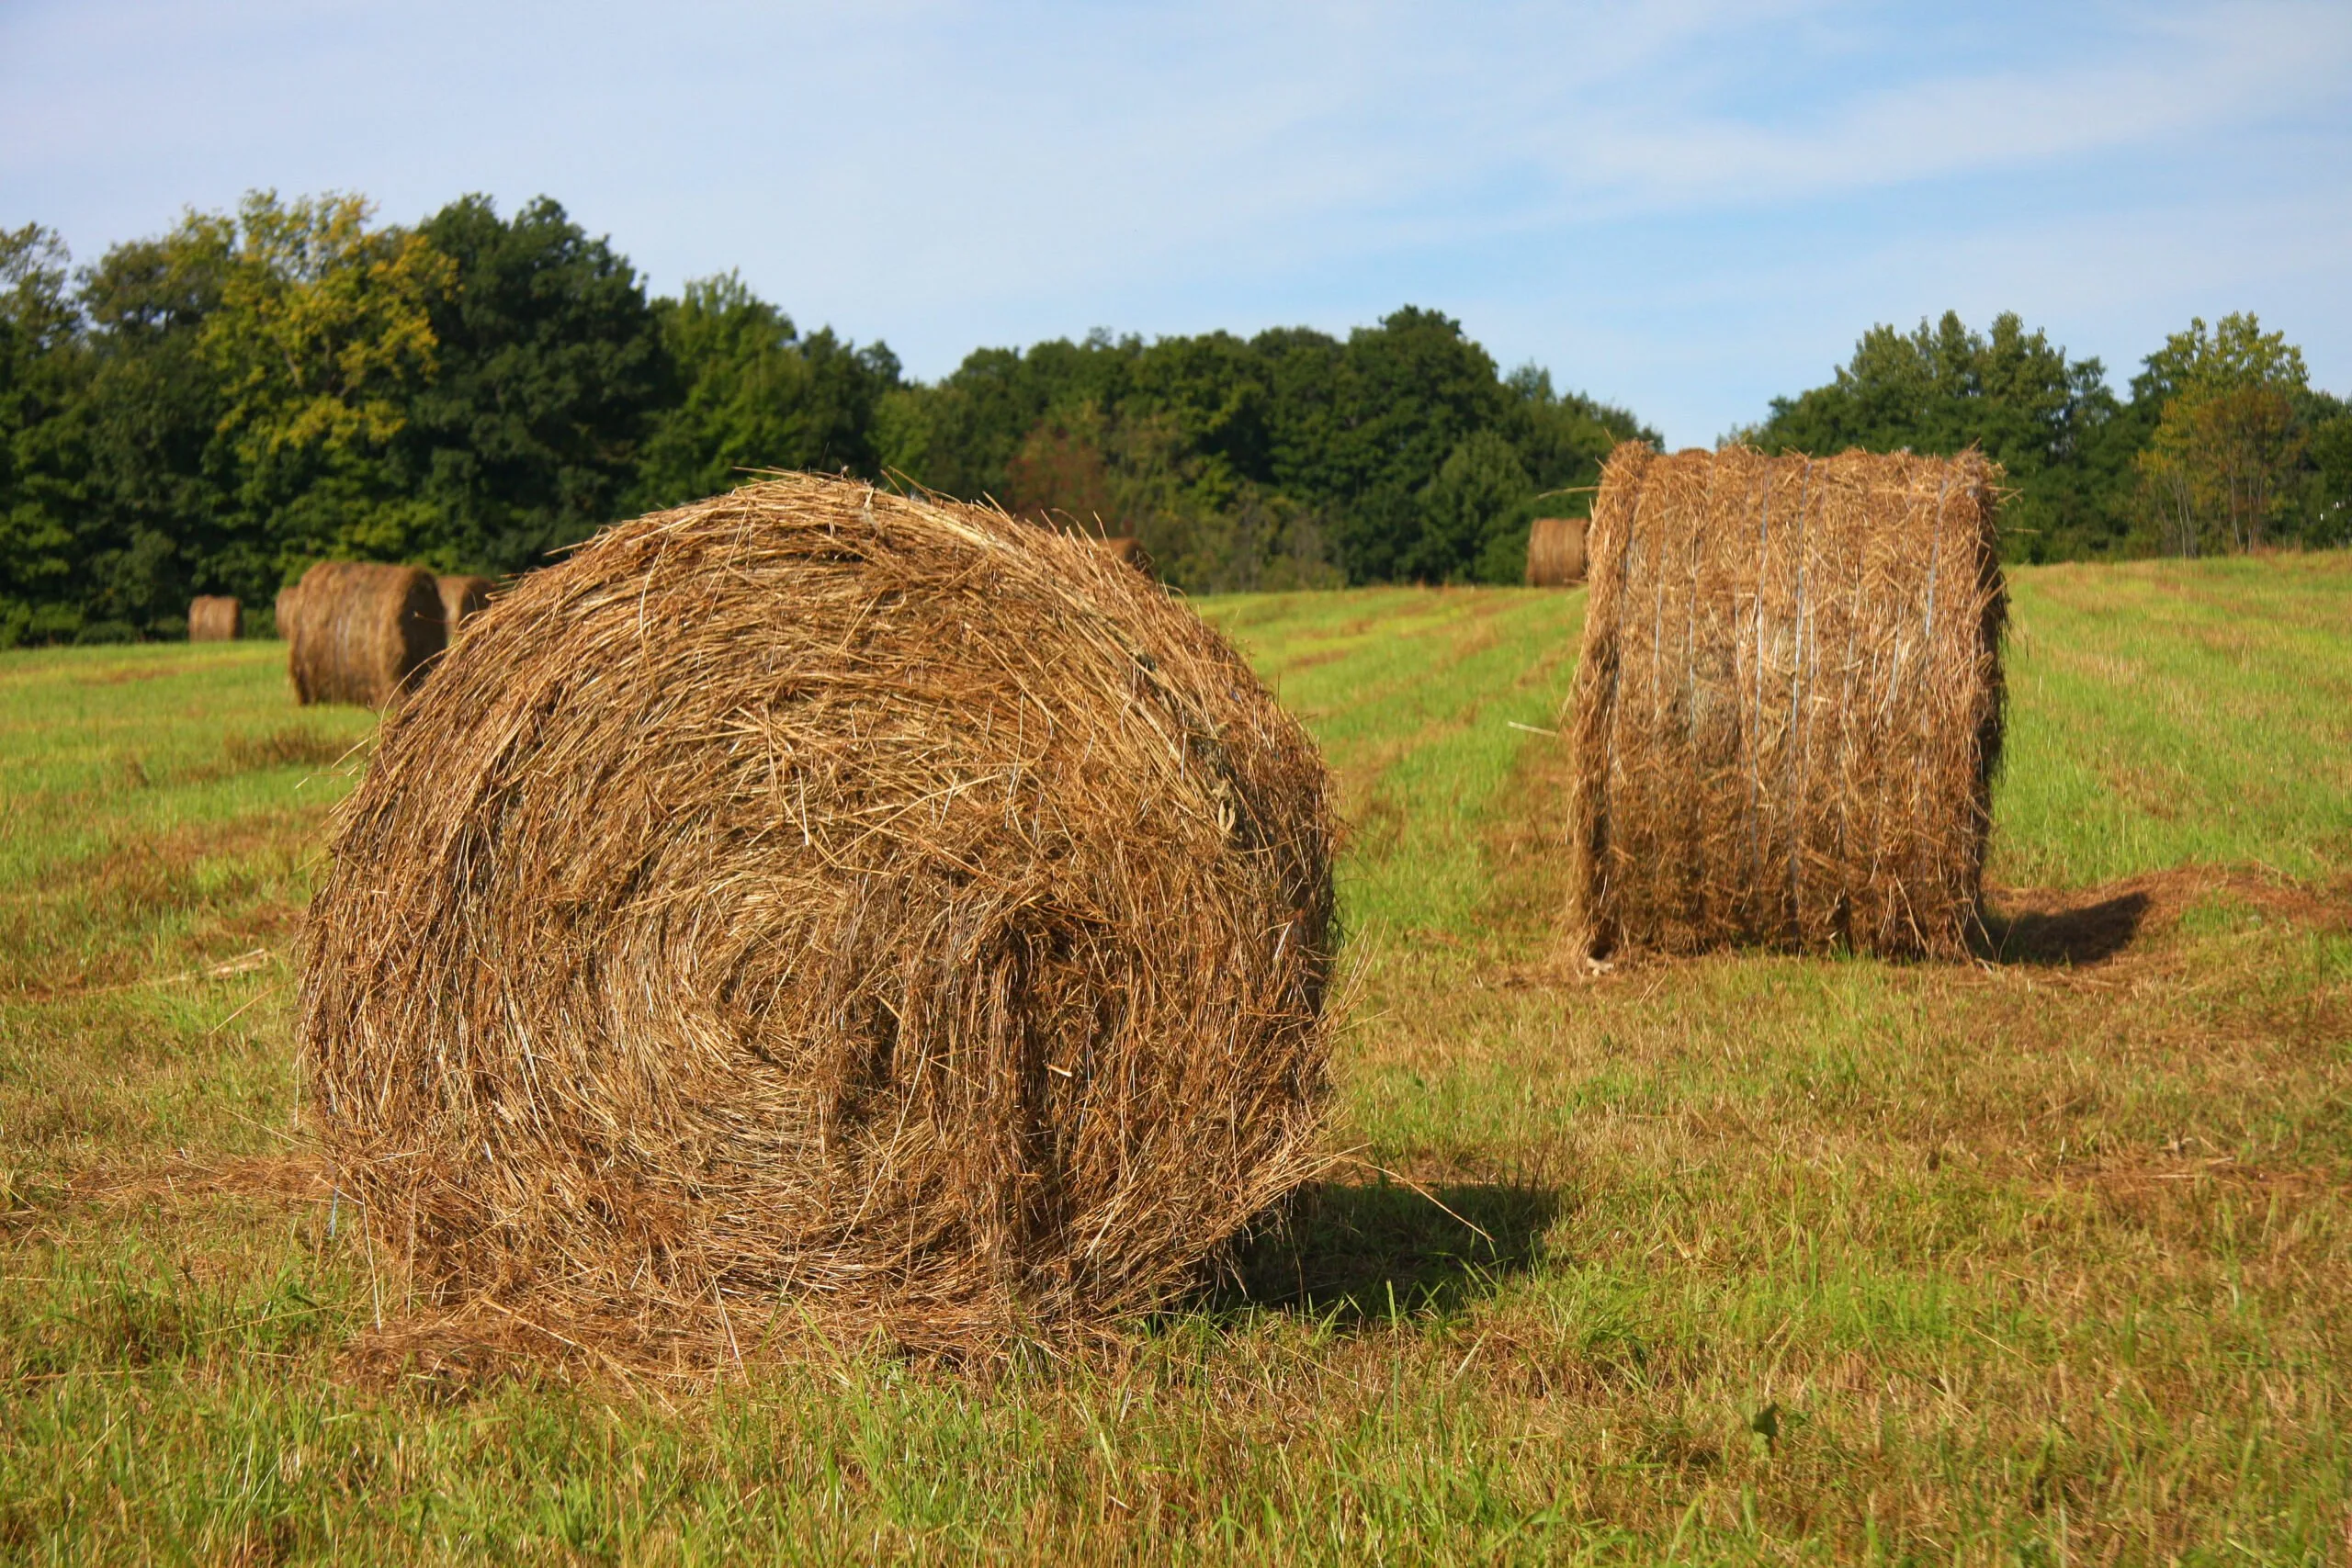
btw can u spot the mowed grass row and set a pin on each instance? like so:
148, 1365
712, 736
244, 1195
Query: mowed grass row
1749, 1257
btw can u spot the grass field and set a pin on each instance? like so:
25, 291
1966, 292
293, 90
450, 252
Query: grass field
1749, 1257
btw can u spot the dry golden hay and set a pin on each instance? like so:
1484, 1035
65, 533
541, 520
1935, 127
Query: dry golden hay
359, 631
1129, 551
463, 596
214, 617
1788, 709
815, 905
1556, 552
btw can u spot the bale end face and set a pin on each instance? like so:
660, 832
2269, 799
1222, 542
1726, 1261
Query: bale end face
1789, 705
1556, 552
214, 617
360, 631
463, 596
872, 911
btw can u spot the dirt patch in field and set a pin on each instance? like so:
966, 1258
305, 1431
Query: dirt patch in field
2081, 928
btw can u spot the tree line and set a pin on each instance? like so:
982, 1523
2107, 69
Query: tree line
2222, 444
211, 410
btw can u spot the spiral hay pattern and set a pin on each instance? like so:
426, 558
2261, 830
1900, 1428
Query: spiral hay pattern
819, 906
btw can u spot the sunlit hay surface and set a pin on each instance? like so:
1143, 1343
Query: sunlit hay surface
214, 617
823, 907
1789, 703
359, 631
1556, 552
1129, 550
463, 595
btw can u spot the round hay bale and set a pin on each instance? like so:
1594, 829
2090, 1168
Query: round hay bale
1556, 552
876, 910
463, 595
360, 631
1128, 551
283, 610
1789, 705
214, 617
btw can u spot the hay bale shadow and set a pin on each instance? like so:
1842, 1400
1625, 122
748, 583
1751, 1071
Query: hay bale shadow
2068, 938
1357, 1253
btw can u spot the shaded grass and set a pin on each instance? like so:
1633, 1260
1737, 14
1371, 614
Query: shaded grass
1748, 1257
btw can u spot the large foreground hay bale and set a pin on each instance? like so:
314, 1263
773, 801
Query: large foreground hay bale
873, 910
214, 617
1556, 552
463, 596
1789, 706
358, 631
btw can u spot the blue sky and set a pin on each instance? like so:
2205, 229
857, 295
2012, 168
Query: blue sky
1680, 206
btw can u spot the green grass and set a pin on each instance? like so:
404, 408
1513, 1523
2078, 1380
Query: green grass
1774, 1259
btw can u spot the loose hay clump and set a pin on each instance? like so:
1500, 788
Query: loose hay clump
359, 631
463, 596
1788, 709
818, 906
1556, 552
214, 617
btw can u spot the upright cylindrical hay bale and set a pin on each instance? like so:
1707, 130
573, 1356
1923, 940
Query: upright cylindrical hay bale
214, 617
1556, 552
864, 910
360, 631
463, 596
1789, 705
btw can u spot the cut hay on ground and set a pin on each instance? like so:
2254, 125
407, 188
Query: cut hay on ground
214, 617
1789, 705
818, 906
358, 631
1556, 552
462, 596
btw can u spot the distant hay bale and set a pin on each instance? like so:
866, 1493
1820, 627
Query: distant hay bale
1789, 705
820, 906
463, 596
359, 631
214, 617
1130, 552
1556, 552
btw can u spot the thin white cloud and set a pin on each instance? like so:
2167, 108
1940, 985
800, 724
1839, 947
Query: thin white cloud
948, 172
2183, 74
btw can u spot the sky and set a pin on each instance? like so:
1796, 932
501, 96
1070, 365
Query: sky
1681, 206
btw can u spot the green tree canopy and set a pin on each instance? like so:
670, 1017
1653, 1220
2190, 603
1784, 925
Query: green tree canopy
552, 373
2047, 420
2222, 469
1287, 457
322, 341
755, 394
40, 463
